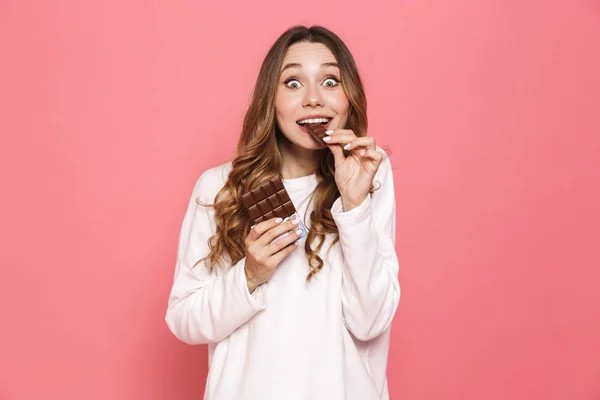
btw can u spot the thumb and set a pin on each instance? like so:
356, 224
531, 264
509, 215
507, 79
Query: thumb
338, 153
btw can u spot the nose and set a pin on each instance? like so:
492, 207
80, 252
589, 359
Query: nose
312, 97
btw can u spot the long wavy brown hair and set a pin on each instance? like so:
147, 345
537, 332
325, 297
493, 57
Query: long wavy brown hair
258, 158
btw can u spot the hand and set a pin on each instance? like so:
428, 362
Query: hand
354, 174
263, 255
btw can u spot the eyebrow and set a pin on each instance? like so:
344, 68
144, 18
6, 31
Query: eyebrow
296, 65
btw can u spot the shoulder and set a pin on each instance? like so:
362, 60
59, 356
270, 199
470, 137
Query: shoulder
211, 181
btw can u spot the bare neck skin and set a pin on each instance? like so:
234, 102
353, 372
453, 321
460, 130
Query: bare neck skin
296, 161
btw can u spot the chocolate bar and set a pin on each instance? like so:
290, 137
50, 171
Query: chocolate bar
268, 201
317, 131
271, 200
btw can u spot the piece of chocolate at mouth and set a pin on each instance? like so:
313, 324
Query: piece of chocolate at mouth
317, 131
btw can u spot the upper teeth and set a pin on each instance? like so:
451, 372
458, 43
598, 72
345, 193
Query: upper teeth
314, 120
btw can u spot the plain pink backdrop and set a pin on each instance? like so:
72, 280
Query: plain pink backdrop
109, 112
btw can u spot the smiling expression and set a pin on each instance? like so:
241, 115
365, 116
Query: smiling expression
309, 90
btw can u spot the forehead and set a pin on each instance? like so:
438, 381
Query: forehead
306, 53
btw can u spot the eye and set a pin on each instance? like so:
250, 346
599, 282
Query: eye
331, 82
292, 83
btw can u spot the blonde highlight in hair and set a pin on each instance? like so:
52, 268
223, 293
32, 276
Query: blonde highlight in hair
258, 158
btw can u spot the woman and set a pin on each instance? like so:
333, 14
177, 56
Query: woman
284, 322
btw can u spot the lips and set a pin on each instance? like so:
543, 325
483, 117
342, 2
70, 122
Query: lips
303, 127
314, 119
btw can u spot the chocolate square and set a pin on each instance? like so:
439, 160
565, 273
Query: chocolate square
268, 201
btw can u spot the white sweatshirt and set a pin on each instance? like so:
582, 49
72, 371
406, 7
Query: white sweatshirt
290, 339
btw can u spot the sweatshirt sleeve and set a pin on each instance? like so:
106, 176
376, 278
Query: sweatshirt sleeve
204, 306
370, 287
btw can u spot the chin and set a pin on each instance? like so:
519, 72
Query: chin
309, 146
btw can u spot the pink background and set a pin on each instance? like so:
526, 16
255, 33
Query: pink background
111, 110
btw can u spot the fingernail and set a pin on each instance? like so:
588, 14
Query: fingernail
298, 231
326, 138
295, 222
278, 220
346, 147
362, 152
252, 226
329, 132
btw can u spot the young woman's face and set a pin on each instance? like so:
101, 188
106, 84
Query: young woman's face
309, 88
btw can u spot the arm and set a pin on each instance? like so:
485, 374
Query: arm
370, 287
204, 306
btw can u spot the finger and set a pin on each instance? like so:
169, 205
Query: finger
259, 229
335, 132
372, 155
276, 246
276, 231
339, 137
283, 253
364, 143
335, 144
338, 154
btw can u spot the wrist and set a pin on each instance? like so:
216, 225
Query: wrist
250, 281
349, 204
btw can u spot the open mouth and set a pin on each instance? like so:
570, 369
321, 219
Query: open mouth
312, 123
322, 121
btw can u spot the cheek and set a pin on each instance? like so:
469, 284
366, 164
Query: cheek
284, 106
340, 104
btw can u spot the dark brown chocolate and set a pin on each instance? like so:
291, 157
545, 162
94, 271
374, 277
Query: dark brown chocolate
317, 131
268, 201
